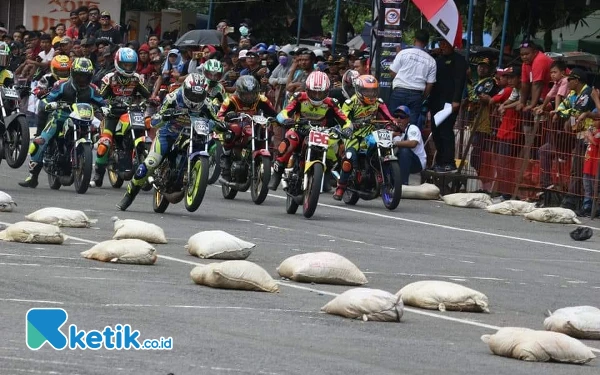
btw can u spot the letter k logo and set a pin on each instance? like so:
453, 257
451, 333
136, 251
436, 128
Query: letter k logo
44, 325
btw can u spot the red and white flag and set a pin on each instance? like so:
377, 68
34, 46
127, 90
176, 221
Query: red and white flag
444, 17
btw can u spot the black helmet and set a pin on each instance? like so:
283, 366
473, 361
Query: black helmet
82, 72
247, 89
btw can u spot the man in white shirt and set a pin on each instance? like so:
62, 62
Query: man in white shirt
415, 73
409, 145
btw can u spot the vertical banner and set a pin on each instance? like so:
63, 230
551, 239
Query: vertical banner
387, 41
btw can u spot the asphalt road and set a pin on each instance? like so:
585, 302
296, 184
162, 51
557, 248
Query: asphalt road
524, 268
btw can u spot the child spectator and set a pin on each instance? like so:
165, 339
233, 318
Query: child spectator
558, 92
590, 168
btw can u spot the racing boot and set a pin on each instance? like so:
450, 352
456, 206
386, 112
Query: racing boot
132, 191
32, 180
99, 171
278, 168
339, 192
226, 166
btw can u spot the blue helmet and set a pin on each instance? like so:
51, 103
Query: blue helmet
126, 60
272, 49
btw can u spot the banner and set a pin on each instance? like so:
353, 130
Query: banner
43, 14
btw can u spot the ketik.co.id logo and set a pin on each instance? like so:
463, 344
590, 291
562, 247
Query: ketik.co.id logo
43, 325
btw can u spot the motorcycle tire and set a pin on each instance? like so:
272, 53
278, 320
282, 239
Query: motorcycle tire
83, 174
391, 190
16, 142
290, 205
140, 157
113, 177
260, 183
313, 190
214, 169
228, 192
197, 183
54, 182
159, 202
350, 197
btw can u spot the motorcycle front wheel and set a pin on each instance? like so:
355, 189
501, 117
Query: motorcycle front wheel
260, 182
159, 202
113, 177
290, 205
313, 190
197, 183
16, 142
83, 172
391, 189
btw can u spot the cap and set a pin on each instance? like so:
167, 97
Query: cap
514, 71
251, 54
66, 40
402, 109
576, 73
484, 60
103, 41
89, 41
3, 30
105, 14
16, 45
243, 53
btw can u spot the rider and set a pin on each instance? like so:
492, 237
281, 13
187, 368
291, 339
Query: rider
60, 69
77, 89
190, 95
123, 82
346, 91
312, 105
361, 109
6, 76
246, 99
213, 71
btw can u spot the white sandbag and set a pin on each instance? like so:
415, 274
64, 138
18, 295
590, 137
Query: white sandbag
443, 295
234, 274
423, 191
29, 232
470, 200
129, 251
366, 304
137, 229
511, 207
216, 244
60, 217
553, 215
540, 346
6, 202
582, 322
321, 267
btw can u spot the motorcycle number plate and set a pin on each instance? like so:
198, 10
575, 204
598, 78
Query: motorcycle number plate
10, 93
383, 137
200, 126
316, 138
137, 119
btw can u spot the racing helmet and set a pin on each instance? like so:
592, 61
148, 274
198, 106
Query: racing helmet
367, 89
213, 71
317, 87
194, 91
4, 55
82, 72
60, 66
247, 89
126, 60
348, 83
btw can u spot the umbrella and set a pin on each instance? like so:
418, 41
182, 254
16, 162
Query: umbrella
195, 38
444, 17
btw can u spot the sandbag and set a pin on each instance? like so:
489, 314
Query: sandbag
129, 251
553, 215
511, 207
540, 346
234, 274
6, 202
29, 232
582, 322
423, 191
469, 200
61, 217
366, 304
137, 229
321, 267
443, 295
216, 244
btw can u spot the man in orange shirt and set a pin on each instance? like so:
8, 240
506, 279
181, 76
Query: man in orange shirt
535, 76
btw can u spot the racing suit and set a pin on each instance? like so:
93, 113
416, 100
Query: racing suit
113, 85
235, 105
45, 84
360, 114
66, 92
168, 131
300, 106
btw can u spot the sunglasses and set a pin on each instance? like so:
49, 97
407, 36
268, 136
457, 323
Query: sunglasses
402, 116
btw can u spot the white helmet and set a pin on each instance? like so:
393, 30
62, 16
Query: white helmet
317, 87
194, 91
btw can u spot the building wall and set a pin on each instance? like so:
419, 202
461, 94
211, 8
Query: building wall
11, 13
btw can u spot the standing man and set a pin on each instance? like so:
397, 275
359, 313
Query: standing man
451, 74
535, 76
107, 31
415, 73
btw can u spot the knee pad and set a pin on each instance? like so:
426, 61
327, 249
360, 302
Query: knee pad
283, 146
346, 166
141, 172
104, 145
33, 147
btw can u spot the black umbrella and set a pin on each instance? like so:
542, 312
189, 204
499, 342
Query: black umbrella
195, 38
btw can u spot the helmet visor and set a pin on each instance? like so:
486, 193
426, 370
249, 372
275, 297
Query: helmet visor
317, 96
369, 93
127, 67
61, 74
194, 96
82, 80
248, 97
213, 76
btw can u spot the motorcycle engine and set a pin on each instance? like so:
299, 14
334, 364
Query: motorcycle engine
239, 170
294, 184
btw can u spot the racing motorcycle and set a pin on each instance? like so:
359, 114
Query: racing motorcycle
131, 143
377, 172
68, 157
14, 130
302, 179
250, 157
183, 172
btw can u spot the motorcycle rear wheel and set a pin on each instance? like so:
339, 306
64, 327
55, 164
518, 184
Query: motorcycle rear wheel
350, 197
214, 169
197, 183
159, 202
54, 182
260, 184
313, 190
16, 142
83, 173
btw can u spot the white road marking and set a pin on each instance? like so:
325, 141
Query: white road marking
429, 275
31, 301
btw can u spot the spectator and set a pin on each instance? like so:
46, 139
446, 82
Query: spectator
153, 41
302, 66
76, 50
66, 45
360, 65
82, 13
415, 72
107, 31
590, 169
409, 143
535, 76
92, 25
560, 89
17, 58
73, 31
34, 42
18, 36
144, 67
451, 74
88, 49
253, 66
